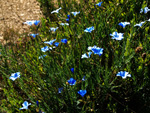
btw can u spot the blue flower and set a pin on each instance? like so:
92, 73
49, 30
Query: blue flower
35, 22
50, 42
53, 29
89, 29
96, 50
37, 102
72, 70
64, 40
141, 10
123, 24
42, 56
99, 4
64, 24
46, 48
14, 76
34, 35
56, 11
86, 56
82, 92
83, 79
67, 19
56, 44
145, 10
25, 105
140, 24
68, 16
75, 13
117, 36
40, 111
123, 74
72, 81
60, 90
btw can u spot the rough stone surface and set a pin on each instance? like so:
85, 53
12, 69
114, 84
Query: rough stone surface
14, 12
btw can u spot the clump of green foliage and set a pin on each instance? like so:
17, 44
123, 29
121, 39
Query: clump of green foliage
41, 78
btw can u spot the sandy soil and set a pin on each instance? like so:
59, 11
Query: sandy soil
14, 12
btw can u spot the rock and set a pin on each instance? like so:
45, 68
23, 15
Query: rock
14, 12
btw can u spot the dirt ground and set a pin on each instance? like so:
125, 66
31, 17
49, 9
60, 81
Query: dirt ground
14, 12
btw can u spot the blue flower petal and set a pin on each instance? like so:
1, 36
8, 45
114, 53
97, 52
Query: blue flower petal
141, 10
68, 16
67, 19
64, 40
99, 4
14, 76
32, 22
72, 81
60, 90
96, 50
50, 42
34, 35
146, 10
82, 92
89, 29
56, 44
123, 24
46, 48
42, 56
72, 70
37, 102
36, 22
83, 79
123, 74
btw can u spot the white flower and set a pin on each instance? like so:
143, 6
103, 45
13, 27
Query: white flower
25, 105
75, 13
146, 10
141, 11
64, 24
32, 22
148, 20
117, 36
140, 24
86, 56
53, 29
46, 48
56, 11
